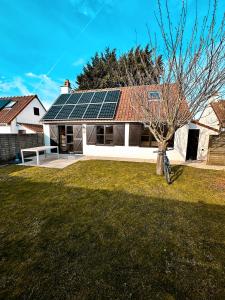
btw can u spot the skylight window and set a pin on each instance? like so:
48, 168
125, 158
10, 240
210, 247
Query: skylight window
10, 104
153, 96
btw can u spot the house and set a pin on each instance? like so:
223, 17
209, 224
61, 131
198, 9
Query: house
210, 122
104, 123
21, 114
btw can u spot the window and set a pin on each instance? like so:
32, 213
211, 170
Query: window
147, 139
10, 104
153, 96
36, 111
104, 135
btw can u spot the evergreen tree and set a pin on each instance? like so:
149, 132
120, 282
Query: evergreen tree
105, 70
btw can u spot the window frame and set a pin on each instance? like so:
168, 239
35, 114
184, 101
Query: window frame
106, 136
150, 136
37, 110
152, 98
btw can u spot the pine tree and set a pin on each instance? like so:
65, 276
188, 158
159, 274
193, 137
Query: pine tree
105, 70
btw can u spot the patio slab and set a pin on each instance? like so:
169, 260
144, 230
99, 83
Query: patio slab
51, 161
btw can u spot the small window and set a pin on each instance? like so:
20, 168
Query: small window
153, 96
36, 111
10, 104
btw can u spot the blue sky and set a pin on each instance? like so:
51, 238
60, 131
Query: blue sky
44, 42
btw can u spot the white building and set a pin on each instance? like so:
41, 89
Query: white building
103, 123
21, 114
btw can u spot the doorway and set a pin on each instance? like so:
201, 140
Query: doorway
192, 145
70, 139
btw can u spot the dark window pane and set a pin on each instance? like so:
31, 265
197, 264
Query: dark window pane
100, 140
171, 142
100, 129
109, 139
153, 95
109, 129
145, 141
69, 139
69, 129
36, 111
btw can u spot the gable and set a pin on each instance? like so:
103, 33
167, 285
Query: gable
8, 114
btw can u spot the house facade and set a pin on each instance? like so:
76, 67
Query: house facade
21, 114
103, 123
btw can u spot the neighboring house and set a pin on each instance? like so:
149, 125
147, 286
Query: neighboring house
103, 123
211, 122
21, 114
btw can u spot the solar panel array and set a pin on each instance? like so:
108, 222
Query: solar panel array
84, 105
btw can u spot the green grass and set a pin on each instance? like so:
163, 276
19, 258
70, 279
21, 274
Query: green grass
111, 230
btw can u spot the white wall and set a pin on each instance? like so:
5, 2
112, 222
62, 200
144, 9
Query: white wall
27, 114
177, 154
5, 129
203, 141
209, 118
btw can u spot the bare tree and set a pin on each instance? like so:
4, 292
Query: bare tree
194, 70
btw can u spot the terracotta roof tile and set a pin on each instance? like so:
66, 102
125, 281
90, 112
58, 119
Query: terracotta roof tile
219, 109
34, 127
8, 114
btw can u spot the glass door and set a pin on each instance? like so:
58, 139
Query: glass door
69, 138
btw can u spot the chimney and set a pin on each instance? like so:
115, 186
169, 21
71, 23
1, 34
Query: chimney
66, 88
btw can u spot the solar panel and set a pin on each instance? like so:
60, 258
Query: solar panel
92, 111
62, 99
78, 111
112, 96
86, 97
73, 99
53, 111
107, 111
65, 112
98, 97
3, 103
85, 105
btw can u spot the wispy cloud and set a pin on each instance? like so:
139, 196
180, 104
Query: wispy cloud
46, 88
79, 62
16, 85
89, 8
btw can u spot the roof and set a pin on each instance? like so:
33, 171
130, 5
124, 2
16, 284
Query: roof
8, 114
126, 111
34, 127
219, 109
205, 126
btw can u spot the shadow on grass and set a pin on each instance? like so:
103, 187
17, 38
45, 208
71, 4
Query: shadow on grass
177, 171
61, 242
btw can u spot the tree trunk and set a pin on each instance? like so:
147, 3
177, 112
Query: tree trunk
159, 163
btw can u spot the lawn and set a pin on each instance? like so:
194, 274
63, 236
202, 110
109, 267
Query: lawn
111, 230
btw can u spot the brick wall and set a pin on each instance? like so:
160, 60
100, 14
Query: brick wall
11, 144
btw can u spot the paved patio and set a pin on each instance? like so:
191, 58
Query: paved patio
51, 161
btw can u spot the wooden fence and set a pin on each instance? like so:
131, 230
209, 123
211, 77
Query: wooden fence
216, 152
11, 144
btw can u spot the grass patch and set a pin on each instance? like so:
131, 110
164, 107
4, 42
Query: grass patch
111, 230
